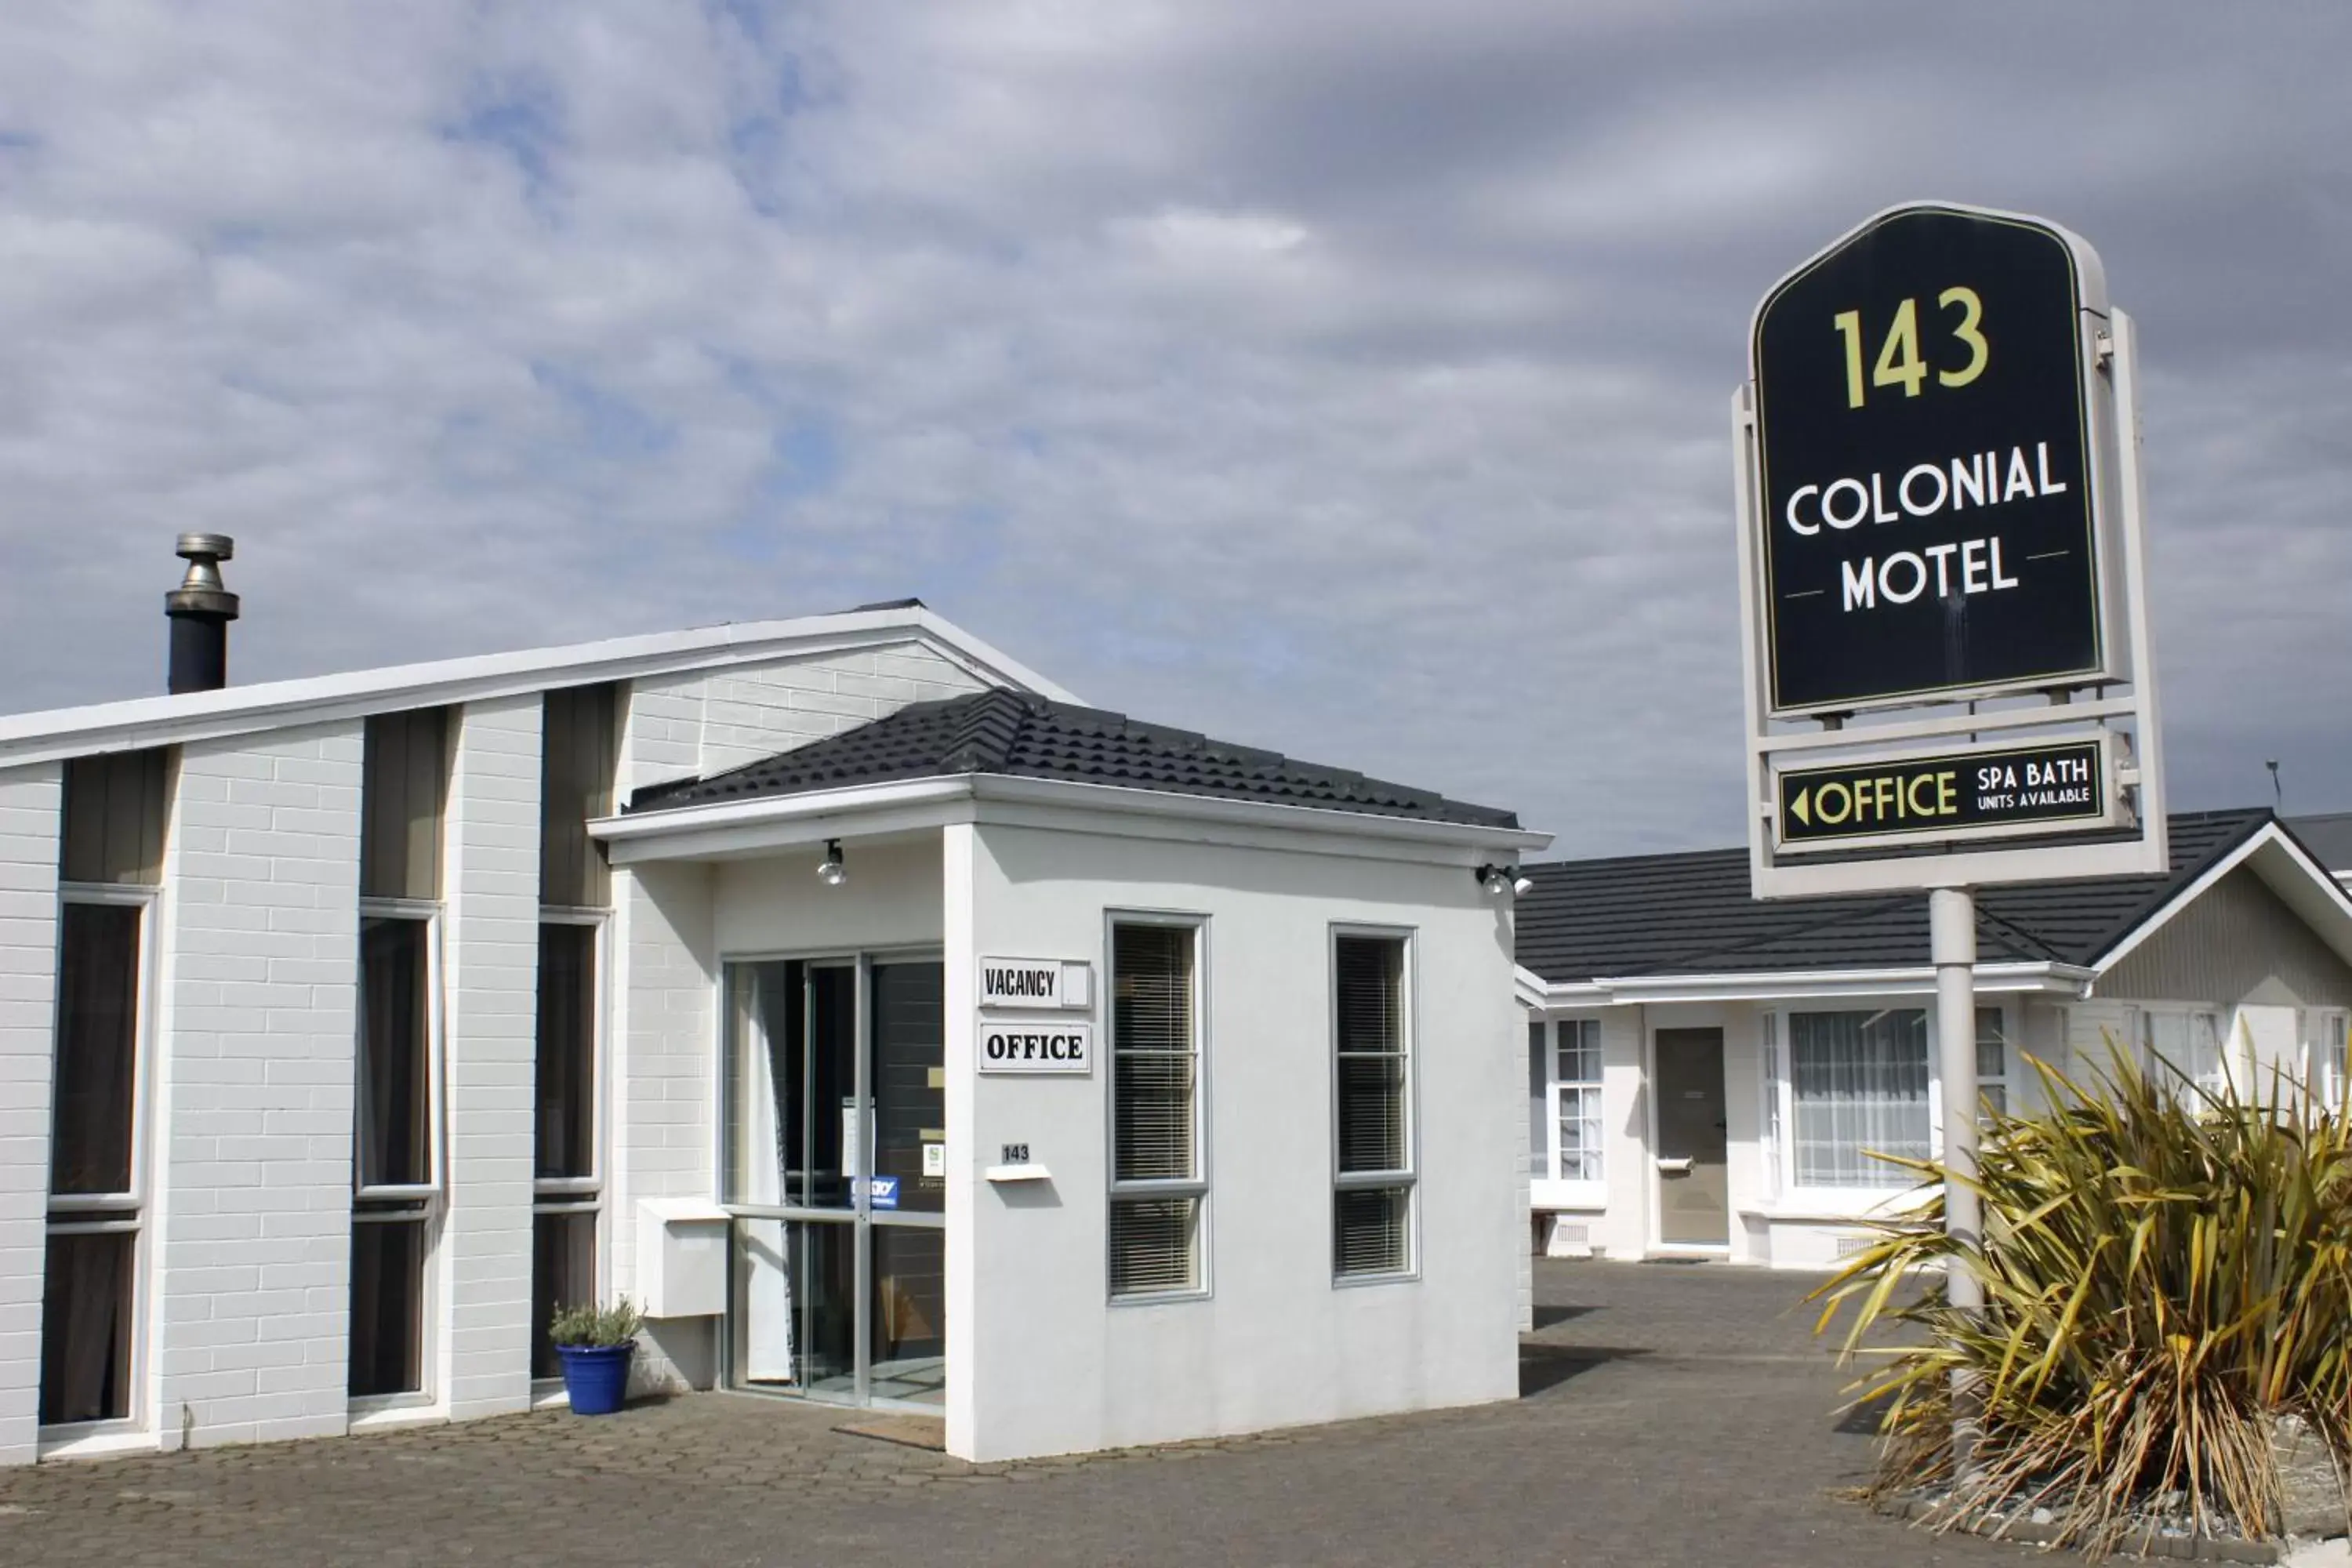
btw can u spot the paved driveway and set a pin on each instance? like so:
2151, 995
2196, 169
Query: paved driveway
1673, 1415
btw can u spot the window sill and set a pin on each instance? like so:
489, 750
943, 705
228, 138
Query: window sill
1159, 1299
390, 1412
1363, 1281
1836, 1206
1544, 1193
94, 1440
548, 1394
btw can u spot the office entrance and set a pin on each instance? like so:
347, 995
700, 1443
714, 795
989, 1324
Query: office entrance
834, 1178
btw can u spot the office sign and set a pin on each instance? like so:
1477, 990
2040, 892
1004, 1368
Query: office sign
1984, 792
1035, 1047
1059, 982
1929, 427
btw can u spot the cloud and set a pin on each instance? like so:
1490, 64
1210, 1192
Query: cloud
1351, 380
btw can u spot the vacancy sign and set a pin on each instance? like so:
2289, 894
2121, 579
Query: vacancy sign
1928, 465
1055, 983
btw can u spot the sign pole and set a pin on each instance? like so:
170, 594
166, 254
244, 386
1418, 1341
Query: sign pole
1952, 940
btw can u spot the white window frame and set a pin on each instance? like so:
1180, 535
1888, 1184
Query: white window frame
586, 1194
97, 1213
2328, 1053
1200, 1185
431, 1193
1556, 1088
2224, 1037
1409, 1178
1782, 1119
2007, 1081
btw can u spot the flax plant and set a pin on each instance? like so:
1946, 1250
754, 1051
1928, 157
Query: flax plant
2167, 1271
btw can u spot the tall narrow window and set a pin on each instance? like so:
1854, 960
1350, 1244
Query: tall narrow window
1371, 1200
1577, 1104
110, 861
2329, 1064
1993, 1060
579, 750
398, 1177
1159, 1185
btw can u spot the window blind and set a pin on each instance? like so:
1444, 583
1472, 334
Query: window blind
1372, 1197
1154, 1242
1858, 1086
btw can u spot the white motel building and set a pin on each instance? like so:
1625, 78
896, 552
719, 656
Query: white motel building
896, 1030
1710, 1077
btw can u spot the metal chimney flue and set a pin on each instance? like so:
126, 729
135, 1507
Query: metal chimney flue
201, 609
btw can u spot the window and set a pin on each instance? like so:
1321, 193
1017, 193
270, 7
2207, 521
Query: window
1575, 1093
1159, 1185
2329, 1065
1858, 1087
578, 753
1371, 1225
1992, 1061
110, 861
1539, 1111
397, 1168
2190, 1041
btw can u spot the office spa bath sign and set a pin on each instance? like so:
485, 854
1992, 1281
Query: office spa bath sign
1929, 431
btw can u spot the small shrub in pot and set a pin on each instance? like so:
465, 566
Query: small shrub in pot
595, 1345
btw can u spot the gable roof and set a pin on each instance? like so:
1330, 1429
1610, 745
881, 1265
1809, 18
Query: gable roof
1019, 735
1692, 914
142, 721
2327, 836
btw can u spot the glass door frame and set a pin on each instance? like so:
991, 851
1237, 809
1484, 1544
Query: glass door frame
860, 1214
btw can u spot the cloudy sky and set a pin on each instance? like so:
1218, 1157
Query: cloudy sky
1345, 378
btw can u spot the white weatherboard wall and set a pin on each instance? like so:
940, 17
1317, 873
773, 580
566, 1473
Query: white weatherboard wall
31, 802
1041, 1362
252, 1210
491, 965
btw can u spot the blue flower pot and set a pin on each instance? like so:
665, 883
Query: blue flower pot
596, 1376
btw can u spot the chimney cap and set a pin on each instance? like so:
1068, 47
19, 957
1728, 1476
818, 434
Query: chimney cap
201, 594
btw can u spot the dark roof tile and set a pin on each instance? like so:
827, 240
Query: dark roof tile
1016, 735
1692, 914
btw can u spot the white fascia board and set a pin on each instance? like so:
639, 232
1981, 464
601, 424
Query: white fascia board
283, 704
750, 827
1797, 984
2303, 884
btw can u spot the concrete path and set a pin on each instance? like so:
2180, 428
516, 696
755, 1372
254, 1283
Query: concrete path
1673, 1415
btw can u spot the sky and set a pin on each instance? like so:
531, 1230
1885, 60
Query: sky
1347, 379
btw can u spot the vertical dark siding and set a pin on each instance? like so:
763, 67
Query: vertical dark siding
114, 808
403, 791
580, 746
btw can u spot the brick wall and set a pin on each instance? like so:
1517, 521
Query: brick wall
491, 965
30, 804
693, 724
253, 1204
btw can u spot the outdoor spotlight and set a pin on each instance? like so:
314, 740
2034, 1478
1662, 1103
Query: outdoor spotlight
831, 872
1522, 885
1496, 881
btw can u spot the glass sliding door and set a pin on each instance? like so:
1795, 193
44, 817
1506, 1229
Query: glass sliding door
836, 1176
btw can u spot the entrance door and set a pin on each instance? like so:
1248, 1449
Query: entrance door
1694, 1168
835, 1178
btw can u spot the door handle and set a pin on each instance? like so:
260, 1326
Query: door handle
1674, 1167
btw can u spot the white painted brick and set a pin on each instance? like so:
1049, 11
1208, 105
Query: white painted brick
260, 958
491, 965
31, 802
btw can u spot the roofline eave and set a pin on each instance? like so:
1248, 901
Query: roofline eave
136, 723
2037, 978
730, 828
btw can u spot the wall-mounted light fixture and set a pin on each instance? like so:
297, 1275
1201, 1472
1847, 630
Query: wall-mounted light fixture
831, 871
1496, 881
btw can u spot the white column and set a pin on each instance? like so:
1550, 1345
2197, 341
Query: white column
490, 996
31, 802
251, 1225
1952, 941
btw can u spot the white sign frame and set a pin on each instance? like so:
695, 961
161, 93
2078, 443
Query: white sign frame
2113, 748
1073, 983
1077, 1032
2137, 777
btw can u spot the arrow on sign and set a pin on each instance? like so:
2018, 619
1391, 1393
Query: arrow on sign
1797, 807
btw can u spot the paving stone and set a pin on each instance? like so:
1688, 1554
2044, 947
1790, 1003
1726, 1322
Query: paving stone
1672, 1416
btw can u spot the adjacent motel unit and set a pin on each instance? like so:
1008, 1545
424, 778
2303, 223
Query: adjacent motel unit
898, 1030
1709, 1076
